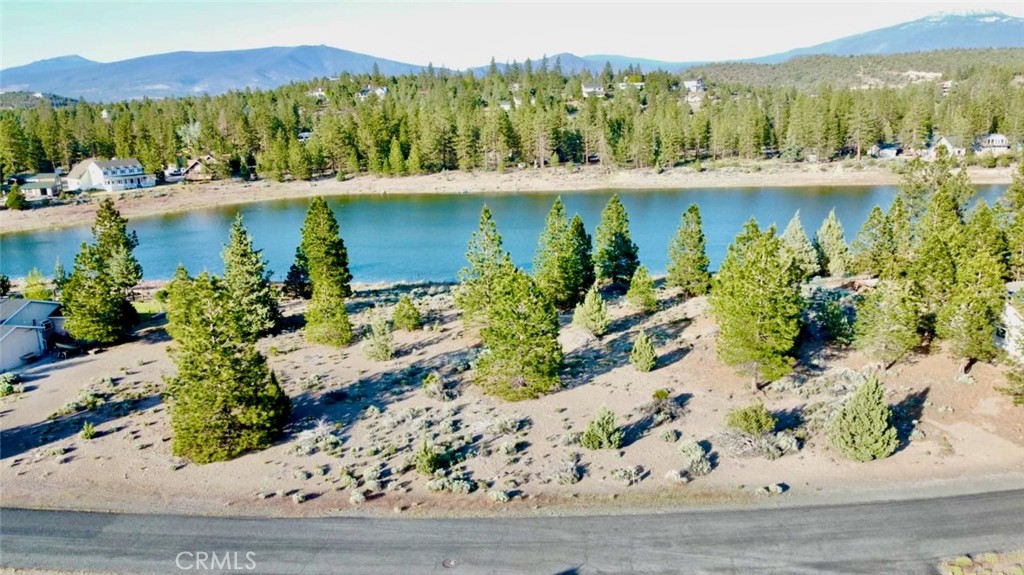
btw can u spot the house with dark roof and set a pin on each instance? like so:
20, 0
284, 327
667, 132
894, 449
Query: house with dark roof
115, 175
27, 328
953, 145
36, 186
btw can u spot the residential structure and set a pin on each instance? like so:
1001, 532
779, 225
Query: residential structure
37, 186
885, 152
26, 329
695, 85
595, 90
992, 144
198, 169
114, 175
1010, 331
952, 144
379, 91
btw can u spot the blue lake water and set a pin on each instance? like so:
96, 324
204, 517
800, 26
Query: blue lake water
406, 237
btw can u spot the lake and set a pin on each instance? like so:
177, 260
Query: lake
409, 237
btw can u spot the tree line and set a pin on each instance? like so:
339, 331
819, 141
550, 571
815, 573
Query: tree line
534, 115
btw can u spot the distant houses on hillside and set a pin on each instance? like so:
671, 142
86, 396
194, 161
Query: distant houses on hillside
114, 175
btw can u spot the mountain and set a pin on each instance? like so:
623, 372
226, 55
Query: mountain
645, 64
942, 31
185, 73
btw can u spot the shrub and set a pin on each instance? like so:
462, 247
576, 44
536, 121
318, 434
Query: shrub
592, 314
602, 432
436, 387
695, 459
568, 471
427, 459
627, 475
451, 485
15, 199
88, 431
406, 316
670, 435
641, 291
499, 496
9, 384
834, 320
379, 344
863, 430
643, 357
771, 446
753, 420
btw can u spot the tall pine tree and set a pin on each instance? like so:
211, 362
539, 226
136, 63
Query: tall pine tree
486, 256
872, 249
615, 257
798, 247
755, 298
887, 321
551, 263
687, 256
939, 237
580, 266
327, 262
967, 321
253, 298
830, 243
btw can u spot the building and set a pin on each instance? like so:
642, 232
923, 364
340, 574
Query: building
37, 186
693, 86
952, 144
379, 91
110, 175
885, 152
199, 169
26, 329
946, 87
992, 144
595, 90
1010, 331
319, 94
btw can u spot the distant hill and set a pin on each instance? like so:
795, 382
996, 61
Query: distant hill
20, 100
860, 71
942, 31
187, 73
573, 64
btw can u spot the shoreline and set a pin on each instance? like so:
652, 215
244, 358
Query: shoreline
177, 198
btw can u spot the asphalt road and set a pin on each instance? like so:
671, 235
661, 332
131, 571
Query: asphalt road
902, 537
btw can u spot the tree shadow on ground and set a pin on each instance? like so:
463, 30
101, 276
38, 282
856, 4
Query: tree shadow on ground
18, 440
906, 414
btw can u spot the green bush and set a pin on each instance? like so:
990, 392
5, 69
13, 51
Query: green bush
695, 459
755, 419
428, 460
863, 429
643, 356
641, 291
602, 432
592, 314
406, 316
379, 345
15, 199
988, 161
1004, 161
835, 321
9, 384
88, 431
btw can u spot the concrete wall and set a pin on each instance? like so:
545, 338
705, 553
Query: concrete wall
17, 342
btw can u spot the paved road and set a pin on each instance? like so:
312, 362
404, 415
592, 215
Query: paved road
875, 538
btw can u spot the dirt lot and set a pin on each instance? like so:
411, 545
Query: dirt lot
184, 197
376, 414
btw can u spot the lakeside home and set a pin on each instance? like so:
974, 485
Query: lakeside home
26, 329
115, 175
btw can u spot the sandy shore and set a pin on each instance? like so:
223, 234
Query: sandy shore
181, 197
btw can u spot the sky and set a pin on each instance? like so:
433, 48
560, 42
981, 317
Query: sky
452, 34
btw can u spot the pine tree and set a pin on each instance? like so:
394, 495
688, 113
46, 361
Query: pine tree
300, 165
36, 286
872, 249
887, 321
297, 283
643, 355
414, 164
830, 243
863, 429
982, 233
615, 257
380, 342
1013, 198
252, 296
396, 161
15, 199
1015, 243
687, 256
602, 432
641, 291
592, 313
968, 320
551, 263
224, 400
939, 235
486, 258
797, 247
522, 355
406, 316
5, 285
180, 303
897, 222
327, 261
755, 298
115, 244
580, 266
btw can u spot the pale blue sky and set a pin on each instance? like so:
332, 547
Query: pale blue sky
450, 34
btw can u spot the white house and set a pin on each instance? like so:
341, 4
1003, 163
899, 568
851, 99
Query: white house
379, 91
696, 85
954, 148
1010, 331
111, 175
26, 327
994, 144
596, 90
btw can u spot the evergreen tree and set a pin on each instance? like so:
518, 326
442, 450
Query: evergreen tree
300, 165
887, 321
983, 233
252, 296
1015, 244
224, 400
327, 262
180, 303
1013, 198
641, 291
380, 342
830, 243
797, 247
15, 199
115, 244
396, 161
968, 320
872, 249
940, 232
897, 222
297, 283
5, 285
36, 286
755, 298
60, 279
486, 258
552, 262
580, 266
643, 355
687, 256
603, 432
863, 429
592, 313
406, 316
615, 257
522, 356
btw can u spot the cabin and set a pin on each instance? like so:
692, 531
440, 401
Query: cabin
952, 144
199, 169
114, 175
695, 86
992, 144
593, 90
26, 329
35, 187
1010, 331
885, 151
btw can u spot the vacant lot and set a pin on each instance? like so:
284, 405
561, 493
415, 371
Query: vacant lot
357, 423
